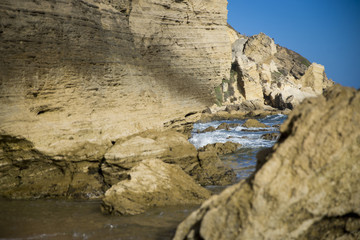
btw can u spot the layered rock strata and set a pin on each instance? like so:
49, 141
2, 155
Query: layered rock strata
265, 73
75, 76
306, 187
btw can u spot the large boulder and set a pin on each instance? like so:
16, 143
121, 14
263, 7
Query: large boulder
306, 187
152, 183
170, 147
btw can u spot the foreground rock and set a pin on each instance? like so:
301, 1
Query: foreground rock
168, 146
88, 170
152, 183
308, 186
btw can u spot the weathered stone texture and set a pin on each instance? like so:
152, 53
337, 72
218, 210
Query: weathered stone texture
306, 187
152, 183
168, 146
94, 70
270, 74
77, 74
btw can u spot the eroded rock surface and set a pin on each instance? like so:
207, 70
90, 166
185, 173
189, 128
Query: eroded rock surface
213, 171
168, 146
221, 148
26, 172
76, 76
265, 73
308, 186
152, 183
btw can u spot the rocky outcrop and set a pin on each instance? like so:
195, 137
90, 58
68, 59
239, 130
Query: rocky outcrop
314, 78
306, 187
208, 129
183, 124
221, 148
227, 126
213, 171
253, 123
266, 73
168, 146
76, 76
270, 136
26, 172
152, 183
90, 171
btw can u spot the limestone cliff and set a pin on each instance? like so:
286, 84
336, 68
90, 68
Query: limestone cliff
75, 76
306, 187
79, 78
266, 73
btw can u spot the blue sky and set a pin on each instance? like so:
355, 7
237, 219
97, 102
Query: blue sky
323, 31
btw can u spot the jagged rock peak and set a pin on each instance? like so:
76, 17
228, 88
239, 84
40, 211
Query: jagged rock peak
270, 74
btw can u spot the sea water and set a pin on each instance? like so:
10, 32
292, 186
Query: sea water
247, 137
243, 161
62, 219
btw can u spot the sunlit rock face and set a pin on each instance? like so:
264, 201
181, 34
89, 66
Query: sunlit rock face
270, 74
152, 183
305, 187
77, 75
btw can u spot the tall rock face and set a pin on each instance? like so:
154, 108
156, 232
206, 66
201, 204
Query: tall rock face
270, 74
76, 76
306, 187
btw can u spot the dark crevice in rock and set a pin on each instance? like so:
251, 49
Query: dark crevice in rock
289, 129
194, 231
240, 83
70, 190
190, 113
335, 227
101, 174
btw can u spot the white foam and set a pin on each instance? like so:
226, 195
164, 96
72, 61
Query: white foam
247, 139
